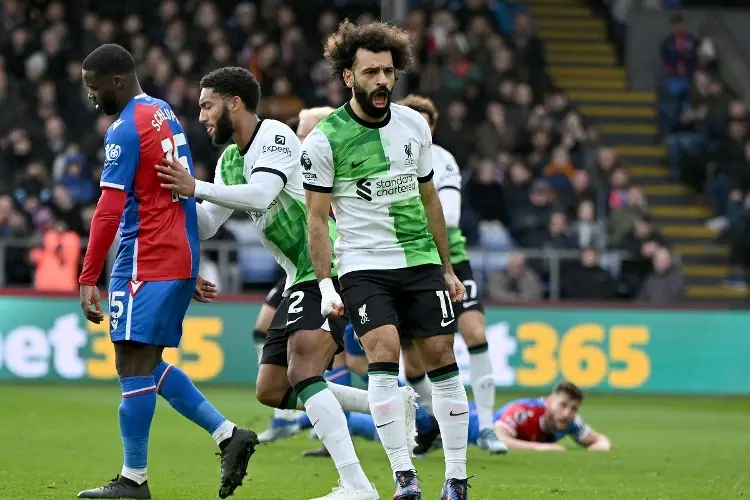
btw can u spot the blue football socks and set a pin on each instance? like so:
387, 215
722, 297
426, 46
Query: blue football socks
136, 413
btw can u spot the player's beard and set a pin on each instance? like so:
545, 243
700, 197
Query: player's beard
109, 104
364, 99
224, 128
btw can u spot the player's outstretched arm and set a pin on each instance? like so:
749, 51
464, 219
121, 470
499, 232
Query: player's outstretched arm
255, 196
513, 442
595, 441
210, 218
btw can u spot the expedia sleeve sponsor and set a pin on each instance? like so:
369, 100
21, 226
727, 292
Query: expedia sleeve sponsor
277, 148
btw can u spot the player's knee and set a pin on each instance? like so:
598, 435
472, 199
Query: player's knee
382, 345
133, 359
412, 362
268, 396
357, 364
472, 328
436, 352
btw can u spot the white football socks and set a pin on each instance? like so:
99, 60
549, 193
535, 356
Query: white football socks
424, 389
452, 413
387, 408
482, 385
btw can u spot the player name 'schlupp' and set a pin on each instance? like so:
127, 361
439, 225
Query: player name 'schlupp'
160, 115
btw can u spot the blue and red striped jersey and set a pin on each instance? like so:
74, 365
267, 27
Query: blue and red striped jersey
159, 229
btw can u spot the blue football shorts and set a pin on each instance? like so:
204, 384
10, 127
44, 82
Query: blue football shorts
150, 312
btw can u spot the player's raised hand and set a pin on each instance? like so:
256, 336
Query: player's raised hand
330, 300
91, 304
175, 177
455, 287
205, 291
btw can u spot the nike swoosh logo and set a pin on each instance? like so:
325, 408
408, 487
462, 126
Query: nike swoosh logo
457, 414
471, 303
356, 164
446, 323
383, 425
293, 321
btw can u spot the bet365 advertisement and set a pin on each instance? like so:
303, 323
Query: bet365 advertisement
604, 350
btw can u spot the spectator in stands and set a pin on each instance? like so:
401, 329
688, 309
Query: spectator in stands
690, 135
530, 55
484, 193
559, 170
622, 220
529, 225
586, 280
641, 245
57, 262
495, 134
557, 236
729, 165
580, 190
666, 284
601, 170
515, 283
587, 231
506, 12
679, 60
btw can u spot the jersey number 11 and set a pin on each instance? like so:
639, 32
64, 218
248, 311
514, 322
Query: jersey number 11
169, 146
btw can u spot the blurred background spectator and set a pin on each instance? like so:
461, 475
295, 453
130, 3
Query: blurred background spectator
537, 176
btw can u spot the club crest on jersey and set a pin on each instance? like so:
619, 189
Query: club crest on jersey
112, 152
410, 160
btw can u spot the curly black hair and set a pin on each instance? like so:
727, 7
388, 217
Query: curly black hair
109, 59
234, 81
342, 45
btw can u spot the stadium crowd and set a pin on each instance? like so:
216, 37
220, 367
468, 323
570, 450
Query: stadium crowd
536, 174
707, 138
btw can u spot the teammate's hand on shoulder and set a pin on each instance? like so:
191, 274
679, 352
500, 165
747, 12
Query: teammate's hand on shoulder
330, 300
175, 177
456, 289
205, 291
550, 447
91, 304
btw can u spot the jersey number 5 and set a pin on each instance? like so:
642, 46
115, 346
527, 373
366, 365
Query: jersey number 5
169, 146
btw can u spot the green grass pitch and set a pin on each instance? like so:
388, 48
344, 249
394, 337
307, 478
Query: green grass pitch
58, 439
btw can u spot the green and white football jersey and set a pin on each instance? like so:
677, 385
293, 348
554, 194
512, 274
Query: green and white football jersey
373, 171
274, 148
448, 176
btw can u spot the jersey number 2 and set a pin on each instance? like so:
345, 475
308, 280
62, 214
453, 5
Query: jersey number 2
169, 146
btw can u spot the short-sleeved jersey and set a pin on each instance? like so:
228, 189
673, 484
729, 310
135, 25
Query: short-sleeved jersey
159, 229
524, 417
275, 148
448, 176
373, 171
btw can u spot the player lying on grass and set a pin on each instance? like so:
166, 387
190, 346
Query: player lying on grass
537, 424
524, 424
260, 174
